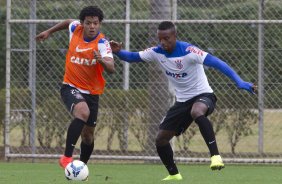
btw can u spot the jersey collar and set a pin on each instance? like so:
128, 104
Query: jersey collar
91, 39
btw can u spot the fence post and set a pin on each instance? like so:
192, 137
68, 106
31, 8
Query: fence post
32, 75
260, 77
8, 80
126, 76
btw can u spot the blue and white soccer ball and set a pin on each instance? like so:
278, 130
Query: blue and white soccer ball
77, 170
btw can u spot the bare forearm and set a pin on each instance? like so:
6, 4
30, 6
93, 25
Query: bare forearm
60, 26
108, 64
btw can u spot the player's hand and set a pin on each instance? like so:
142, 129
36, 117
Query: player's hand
116, 46
106, 62
98, 57
252, 88
42, 36
255, 89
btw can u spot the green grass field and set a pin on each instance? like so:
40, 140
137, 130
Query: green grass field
37, 173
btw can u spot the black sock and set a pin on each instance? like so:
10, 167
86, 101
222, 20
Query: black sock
207, 132
86, 151
73, 134
166, 156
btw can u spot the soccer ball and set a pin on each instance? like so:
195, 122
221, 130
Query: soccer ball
76, 170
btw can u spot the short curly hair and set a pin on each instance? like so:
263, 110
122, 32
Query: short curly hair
165, 25
91, 11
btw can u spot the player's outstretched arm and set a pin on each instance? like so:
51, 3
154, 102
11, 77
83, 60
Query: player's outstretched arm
60, 26
124, 55
216, 63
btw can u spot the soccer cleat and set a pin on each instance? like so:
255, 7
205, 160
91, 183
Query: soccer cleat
216, 162
64, 161
173, 177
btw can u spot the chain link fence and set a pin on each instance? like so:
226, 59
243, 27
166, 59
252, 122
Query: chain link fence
244, 33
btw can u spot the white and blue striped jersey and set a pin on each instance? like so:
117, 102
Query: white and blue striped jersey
183, 68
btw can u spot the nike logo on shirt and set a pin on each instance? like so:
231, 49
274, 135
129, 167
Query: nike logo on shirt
77, 49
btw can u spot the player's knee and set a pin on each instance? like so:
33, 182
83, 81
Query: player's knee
82, 112
196, 113
163, 137
85, 115
198, 109
161, 141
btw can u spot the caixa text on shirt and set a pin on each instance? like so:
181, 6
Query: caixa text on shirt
176, 75
83, 61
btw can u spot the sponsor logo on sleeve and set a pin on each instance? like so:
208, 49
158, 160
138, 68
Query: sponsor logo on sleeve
195, 50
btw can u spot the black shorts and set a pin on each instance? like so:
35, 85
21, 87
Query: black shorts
72, 96
178, 117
